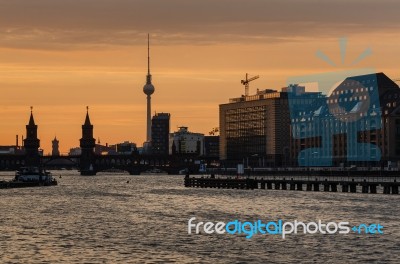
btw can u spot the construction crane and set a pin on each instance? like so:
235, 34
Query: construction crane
246, 81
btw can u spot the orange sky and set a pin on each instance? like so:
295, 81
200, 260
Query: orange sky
60, 57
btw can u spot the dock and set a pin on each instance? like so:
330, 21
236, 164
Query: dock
387, 185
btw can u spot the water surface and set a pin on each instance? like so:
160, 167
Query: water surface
104, 219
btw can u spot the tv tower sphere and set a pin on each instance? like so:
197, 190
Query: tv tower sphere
148, 89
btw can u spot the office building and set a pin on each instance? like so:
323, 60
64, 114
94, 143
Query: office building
358, 123
211, 146
254, 129
185, 142
160, 133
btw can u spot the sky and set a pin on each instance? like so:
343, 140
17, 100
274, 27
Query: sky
61, 56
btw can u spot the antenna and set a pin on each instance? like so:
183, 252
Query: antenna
148, 53
148, 77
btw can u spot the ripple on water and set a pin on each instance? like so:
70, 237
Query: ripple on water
104, 219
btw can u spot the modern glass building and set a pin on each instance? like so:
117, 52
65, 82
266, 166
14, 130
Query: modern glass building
357, 123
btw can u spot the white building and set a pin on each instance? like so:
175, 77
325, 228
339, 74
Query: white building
75, 151
7, 150
185, 142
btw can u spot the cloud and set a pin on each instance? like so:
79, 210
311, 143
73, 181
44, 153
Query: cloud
77, 24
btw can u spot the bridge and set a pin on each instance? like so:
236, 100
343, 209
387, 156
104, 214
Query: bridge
134, 164
90, 163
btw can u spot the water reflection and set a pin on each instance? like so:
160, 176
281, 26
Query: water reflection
104, 219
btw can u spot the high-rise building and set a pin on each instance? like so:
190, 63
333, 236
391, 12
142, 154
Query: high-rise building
55, 147
255, 129
160, 133
185, 142
211, 146
148, 89
358, 123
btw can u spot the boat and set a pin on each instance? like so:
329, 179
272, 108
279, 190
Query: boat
89, 172
34, 175
154, 171
184, 171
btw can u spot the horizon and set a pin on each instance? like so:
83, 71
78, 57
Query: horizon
61, 57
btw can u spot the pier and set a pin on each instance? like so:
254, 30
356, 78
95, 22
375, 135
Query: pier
385, 185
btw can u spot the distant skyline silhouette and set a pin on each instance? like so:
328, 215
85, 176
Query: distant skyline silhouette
60, 56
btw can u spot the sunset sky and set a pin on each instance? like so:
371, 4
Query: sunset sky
60, 56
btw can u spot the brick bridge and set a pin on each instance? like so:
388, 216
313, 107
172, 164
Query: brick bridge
90, 163
134, 164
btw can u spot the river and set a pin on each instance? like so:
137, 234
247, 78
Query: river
144, 219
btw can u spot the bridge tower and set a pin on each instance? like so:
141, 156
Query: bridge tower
55, 147
32, 143
87, 144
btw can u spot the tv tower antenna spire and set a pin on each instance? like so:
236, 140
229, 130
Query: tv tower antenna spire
148, 89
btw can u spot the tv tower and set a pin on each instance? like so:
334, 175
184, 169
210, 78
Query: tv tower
148, 89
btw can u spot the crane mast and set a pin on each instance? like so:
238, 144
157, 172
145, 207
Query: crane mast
246, 81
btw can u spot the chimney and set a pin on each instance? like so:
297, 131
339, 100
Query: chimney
23, 140
16, 141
